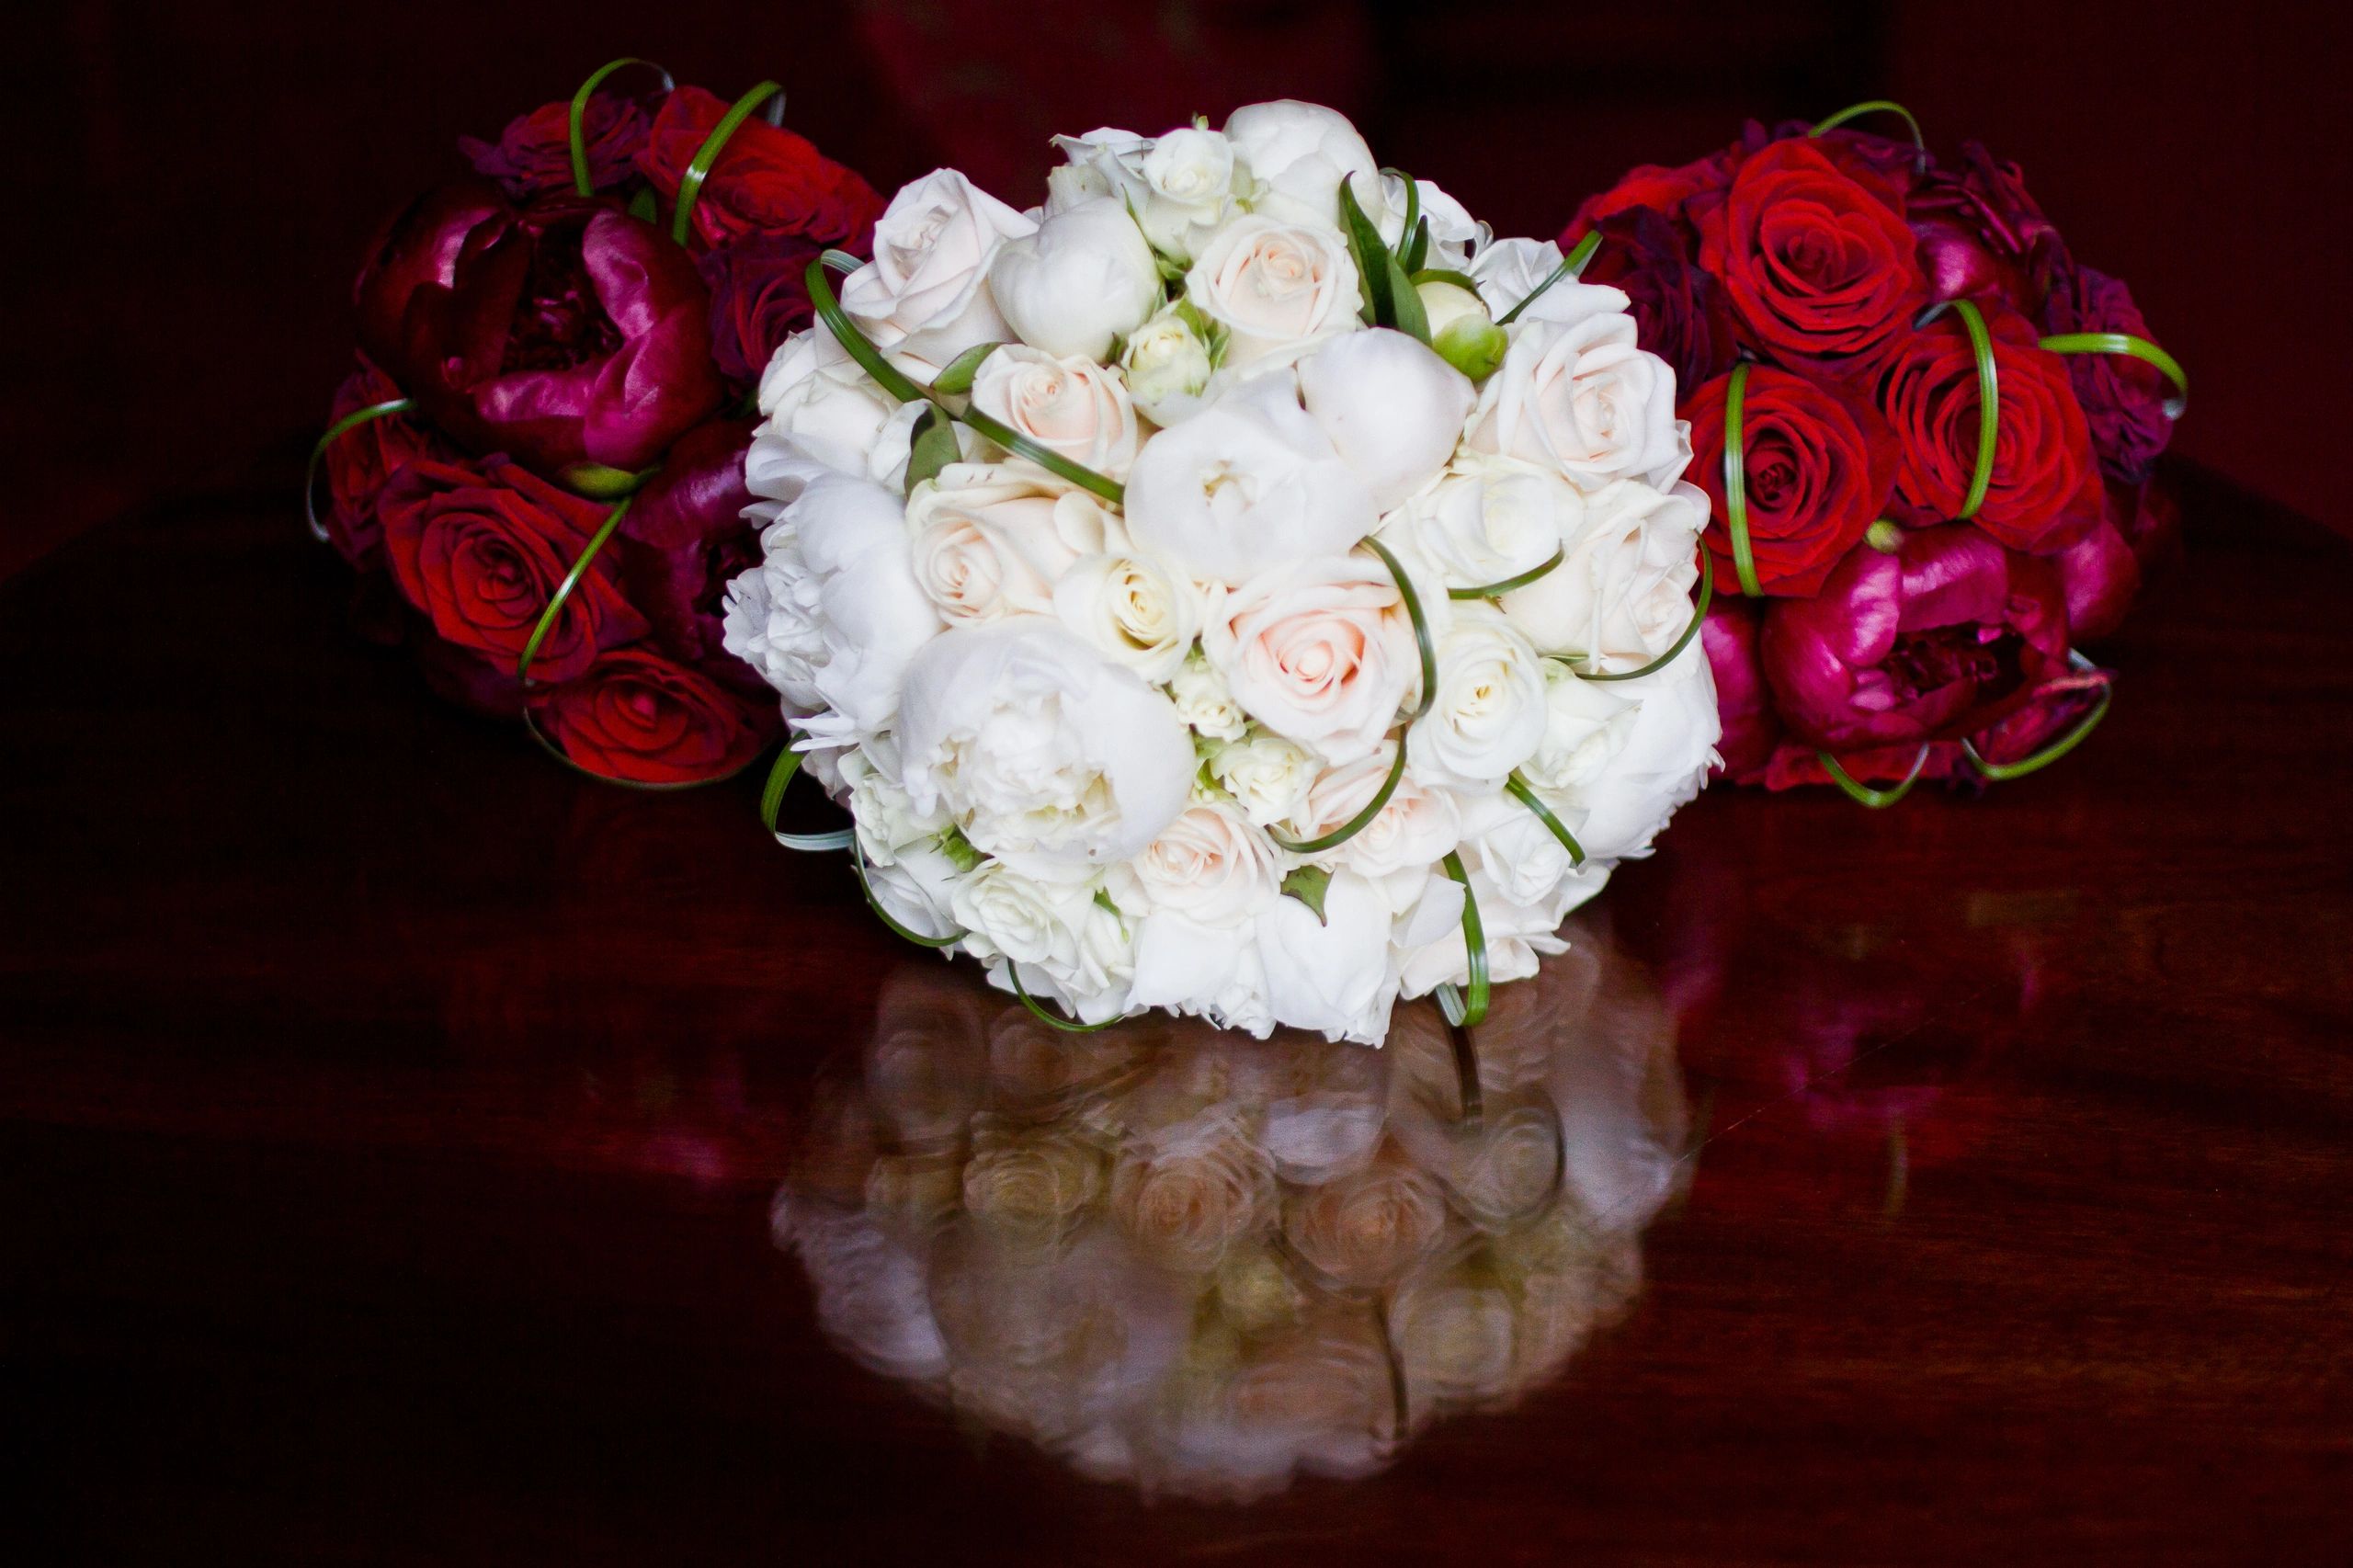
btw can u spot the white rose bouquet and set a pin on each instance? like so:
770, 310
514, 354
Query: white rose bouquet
1240, 587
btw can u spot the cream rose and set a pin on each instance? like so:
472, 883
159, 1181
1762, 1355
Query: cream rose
1322, 652
1083, 281
1247, 483
1622, 593
1586, 725
1662, 762
1415, 830
1508, 271
1268, 776
815, 394
1277, 287
1580, 395
992, 540
1166, 364
1048, 755
1489, 714
1131, 608
1489, 519
926, 290
1205, 702
1211, 865
1179, 184
1391, 408
1070, 405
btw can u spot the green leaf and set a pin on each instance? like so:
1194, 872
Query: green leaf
1863, 794
1989, 398
1309, 884
1744, 558
1413, 214
598, 482
1874, 106
1521, 790
579, 111
1417, 248
1422, 640
646, 207
1572, 265
563, 590
1405, 304
1357, 823
336, 432
1462, 280
1467, 1008
2139, 349
1374, 264
1013, 971
1497, 590
959, 850
1698, 618
958, 377
1999, 771
931, 446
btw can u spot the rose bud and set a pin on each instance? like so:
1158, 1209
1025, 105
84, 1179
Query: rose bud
1817, 468
766, 181
2045, 489
482, 551
563, 334
636, 716
1932, 643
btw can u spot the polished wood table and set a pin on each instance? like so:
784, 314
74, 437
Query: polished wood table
395, 1126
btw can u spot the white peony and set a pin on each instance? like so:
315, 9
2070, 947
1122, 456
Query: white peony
1083, 281
1249, 483
1297, 153
1391, 408
1047, 754
926, 290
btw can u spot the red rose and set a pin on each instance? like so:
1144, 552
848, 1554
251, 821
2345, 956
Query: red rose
561, 333
637, 716
534, 153
360, 460
1818, 468
767, 180
482, 552
2045, 491
1811, 243
759, 296
1679, 308
1663, 190
2123, 399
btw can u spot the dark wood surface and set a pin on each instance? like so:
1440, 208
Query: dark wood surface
391, 1122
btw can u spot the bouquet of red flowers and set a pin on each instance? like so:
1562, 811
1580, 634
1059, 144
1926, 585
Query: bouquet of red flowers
1925, 432
542, 448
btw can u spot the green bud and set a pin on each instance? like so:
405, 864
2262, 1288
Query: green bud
1472, 345
1885, 537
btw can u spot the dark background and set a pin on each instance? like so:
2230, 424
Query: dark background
195, 186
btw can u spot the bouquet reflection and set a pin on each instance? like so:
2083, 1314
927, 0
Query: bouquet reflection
1205, 1264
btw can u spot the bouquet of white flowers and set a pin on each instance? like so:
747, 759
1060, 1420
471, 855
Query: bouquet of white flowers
1242, 585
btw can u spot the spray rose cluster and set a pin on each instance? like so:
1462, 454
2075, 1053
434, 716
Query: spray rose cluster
1239, 586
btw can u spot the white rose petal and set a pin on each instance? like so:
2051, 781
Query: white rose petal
1204, 701
991, 539
1489, 519
1582, 396
1068, 404
1133, 609
1622, 593
1489, 713
1166, 364
1277, 287
926, 290
1267, 775
1322, 652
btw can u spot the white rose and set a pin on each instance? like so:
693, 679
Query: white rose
1276, 287
1179, 184
918, 889
1522, 863
1508, 271
1070, 405
926, 290
1133, 609
991, 539
1489, 714
1415, 830
1322, 652
1212, 864
1204, 701
837, 610
1267, 775
1330, 974
1392, 409
1661, 764
1517, 934
1581, 395
1622, 593
1297, 153
1085, 279
814, 393
1586, 725
886, 818
1070, 948
1047, 754
1454, 234
1489, 519
1247, 483
1167, 363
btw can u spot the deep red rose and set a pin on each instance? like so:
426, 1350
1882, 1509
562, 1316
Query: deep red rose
482, 551
534, 153
1681, 312
1934, 643
1811, 243
2045, 491
685, 537
1661, 190
1743, 700
1818, 465
360, 460
759, 296
767, 181
563, 332
2123, 399
1980, 233
636, 715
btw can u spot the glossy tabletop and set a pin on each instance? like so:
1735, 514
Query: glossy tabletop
417, 1153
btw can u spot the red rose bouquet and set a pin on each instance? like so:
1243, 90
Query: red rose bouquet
1925, 432
542, 448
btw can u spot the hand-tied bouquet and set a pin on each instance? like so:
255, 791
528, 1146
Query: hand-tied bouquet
1203, 1265
542, 445
1240, 587
1925, 432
